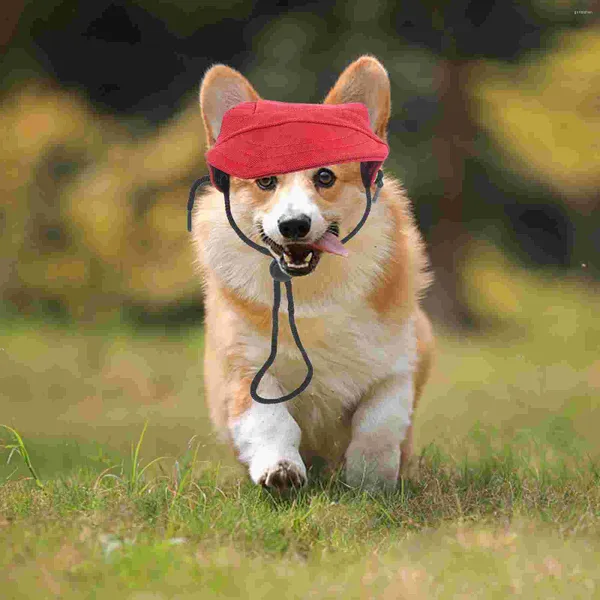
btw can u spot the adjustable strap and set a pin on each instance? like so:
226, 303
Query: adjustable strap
379, 184
279, 277
190, 205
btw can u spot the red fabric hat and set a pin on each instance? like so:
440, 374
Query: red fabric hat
259, 139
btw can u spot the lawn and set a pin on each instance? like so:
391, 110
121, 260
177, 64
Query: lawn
506, 501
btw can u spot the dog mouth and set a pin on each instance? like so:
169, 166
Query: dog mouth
297, 258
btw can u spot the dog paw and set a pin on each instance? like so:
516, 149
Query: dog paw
372, 469
283, 476
370, 482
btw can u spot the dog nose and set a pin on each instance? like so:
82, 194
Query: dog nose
294, 228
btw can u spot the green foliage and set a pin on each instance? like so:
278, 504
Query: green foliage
18, 447
137, 471
94, 219
543, 113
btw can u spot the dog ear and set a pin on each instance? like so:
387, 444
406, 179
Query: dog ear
222, 88
366, 81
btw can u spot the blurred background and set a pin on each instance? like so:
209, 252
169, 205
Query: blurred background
495, 133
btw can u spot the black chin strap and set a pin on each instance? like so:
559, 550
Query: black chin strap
222, 183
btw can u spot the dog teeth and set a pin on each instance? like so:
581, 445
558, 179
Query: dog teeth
289, 261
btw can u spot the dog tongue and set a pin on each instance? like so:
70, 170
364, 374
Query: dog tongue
330, 243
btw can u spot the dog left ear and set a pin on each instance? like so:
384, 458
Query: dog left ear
366, 81
222, 88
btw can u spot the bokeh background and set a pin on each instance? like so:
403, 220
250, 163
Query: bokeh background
495, 133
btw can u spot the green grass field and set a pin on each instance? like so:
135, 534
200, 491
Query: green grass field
506, 501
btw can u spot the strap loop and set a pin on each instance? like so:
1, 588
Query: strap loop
274, 335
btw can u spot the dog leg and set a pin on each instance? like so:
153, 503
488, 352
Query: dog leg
267, 439
425, 355
379, 427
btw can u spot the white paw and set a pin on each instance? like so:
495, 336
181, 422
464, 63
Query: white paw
283, 476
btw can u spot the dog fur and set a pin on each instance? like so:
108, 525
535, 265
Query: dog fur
359, 317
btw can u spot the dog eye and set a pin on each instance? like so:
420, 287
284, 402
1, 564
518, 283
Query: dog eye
266, 183
324, 178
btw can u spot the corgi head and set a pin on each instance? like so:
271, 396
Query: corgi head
300, 215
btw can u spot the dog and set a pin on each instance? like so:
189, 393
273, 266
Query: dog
359, 316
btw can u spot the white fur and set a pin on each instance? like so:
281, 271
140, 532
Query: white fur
266, 435
375, 364
357, 354
294, 200
378, 428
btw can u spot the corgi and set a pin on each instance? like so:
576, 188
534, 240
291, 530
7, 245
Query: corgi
359, 316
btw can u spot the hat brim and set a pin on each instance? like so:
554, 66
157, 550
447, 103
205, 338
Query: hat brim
294, 146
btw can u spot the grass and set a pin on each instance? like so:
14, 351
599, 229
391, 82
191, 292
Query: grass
116, 487
18, 447
478, 528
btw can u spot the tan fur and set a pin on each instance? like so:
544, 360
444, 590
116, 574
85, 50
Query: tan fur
377, 288
222, 88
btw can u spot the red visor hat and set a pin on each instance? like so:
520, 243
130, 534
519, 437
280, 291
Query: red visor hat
264, 138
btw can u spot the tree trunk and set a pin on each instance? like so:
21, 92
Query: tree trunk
449, 237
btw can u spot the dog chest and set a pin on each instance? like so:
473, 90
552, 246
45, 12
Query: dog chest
348, 354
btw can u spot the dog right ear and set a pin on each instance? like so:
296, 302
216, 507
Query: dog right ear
366, 81
222, 88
